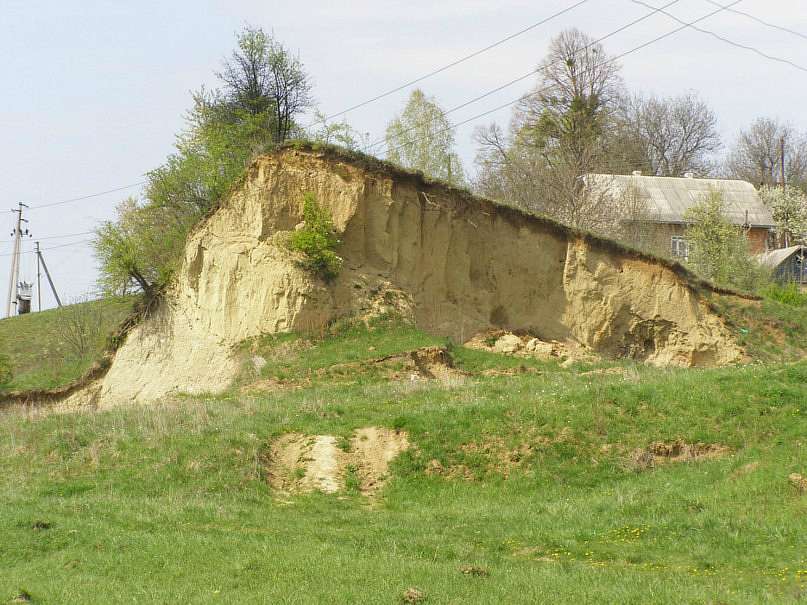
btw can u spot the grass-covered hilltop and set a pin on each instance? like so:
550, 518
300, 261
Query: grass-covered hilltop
510, 479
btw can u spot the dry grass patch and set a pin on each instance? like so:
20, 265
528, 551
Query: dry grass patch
660, 452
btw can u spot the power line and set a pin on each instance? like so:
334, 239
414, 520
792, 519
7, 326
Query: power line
87, 197
532, 72
611, 60
368, 101
763, 22
65, 235
753, 49
449, 65
82, 242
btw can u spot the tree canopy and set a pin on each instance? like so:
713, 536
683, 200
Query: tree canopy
421, 138
263, 91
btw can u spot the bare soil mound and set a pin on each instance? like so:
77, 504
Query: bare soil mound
301, 463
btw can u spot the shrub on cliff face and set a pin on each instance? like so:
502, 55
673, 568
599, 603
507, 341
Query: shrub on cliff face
317, 240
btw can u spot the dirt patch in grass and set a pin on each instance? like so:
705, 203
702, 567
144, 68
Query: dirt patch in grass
517, 371
304, 463
372, 449
798, 481
436, 363
475, 571
660, 452
424, 364
453, 471
413, 595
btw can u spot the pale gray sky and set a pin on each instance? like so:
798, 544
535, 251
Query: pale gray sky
94, 91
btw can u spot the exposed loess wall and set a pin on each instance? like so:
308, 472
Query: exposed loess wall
466, 265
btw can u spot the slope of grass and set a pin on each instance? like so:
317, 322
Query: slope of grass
769, 330
170, 503
42, 357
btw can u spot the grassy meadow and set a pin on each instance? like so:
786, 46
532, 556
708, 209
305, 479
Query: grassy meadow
55, 347
523, 485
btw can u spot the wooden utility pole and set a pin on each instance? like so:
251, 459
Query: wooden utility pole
38, 279
783, 178
14, 275
41, 261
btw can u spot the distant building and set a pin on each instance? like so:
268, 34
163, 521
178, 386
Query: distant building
786, 264
665, 201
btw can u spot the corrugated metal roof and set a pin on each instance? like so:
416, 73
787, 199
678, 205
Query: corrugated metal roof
774, 258
669, 197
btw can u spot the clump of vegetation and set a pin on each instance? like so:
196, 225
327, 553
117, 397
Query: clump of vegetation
263, 90
718, 249
5, 371
317, 240
788, 294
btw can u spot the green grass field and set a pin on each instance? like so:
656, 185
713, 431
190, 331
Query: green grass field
170, 503
39, 345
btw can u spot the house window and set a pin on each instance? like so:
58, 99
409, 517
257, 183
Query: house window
680, 247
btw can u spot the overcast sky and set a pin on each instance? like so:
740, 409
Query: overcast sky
94, 91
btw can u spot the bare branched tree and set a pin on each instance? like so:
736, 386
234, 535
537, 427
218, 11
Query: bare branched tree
578, 89
755, 156
668, 136
262, 75
82, 325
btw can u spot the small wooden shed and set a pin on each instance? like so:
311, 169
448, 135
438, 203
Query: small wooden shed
786, 264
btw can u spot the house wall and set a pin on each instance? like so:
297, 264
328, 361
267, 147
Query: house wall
758, 240
657, 238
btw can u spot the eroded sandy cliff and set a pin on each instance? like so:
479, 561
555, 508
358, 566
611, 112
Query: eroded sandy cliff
464, 264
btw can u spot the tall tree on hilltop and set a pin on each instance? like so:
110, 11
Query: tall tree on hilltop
567, 113
421, 138
263, 78
558, 133
263, 91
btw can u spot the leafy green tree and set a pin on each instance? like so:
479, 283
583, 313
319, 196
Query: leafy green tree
789, 209
141, 248
718, 250
264, 79
338, 133
264, 88
421, 138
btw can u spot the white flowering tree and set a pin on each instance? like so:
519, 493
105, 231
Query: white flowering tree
789, 209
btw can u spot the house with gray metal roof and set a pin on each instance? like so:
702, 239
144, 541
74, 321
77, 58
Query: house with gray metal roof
665, 201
